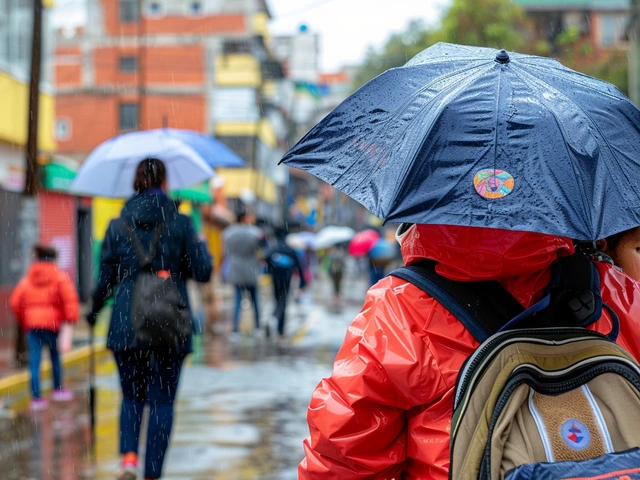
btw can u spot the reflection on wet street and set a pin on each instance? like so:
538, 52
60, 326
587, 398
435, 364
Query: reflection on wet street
241, 411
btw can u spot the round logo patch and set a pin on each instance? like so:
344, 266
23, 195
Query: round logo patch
492, 183
575, 434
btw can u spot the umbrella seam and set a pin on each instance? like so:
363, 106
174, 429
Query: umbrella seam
602, 136
569, 155
393, 116
405, 174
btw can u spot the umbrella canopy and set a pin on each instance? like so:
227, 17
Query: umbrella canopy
189, 156
330, 236
474, 136
384, 250
301, 240
363, 242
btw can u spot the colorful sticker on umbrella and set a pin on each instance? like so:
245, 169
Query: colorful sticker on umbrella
492, 183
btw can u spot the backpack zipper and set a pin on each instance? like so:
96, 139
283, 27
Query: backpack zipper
487, 350
534, 377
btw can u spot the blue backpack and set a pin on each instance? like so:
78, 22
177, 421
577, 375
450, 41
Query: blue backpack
542, 397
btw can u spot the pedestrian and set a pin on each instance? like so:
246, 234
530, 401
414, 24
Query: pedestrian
148, 375
282, 261
41, 302
242, 243
391, 391
336, 262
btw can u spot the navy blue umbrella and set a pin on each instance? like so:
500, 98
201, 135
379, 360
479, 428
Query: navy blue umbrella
474, 136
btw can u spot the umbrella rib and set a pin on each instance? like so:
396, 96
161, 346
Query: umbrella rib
397, 112
593, 124
404, 176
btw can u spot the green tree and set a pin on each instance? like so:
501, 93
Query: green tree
487, 23
484, 23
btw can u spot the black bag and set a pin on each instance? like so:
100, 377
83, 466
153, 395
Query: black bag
159, 315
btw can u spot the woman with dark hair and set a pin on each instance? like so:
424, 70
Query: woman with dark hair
147, 376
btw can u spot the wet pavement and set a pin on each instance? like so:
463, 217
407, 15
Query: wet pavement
241, 411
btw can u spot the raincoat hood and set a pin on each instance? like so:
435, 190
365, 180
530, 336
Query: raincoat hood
43, 273
150, 207
518, 260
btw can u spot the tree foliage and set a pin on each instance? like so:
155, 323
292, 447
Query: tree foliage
494, 24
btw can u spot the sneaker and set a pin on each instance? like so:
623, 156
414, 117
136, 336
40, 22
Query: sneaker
128, 474
129, 466
38, 404
62, 395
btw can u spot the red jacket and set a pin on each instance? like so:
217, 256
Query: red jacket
44, 298
385, 411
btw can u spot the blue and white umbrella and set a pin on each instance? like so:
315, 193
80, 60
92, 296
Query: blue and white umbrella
109, 169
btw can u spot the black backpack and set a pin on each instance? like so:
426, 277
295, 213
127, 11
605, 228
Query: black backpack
159, 315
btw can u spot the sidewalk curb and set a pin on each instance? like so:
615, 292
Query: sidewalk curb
17, 385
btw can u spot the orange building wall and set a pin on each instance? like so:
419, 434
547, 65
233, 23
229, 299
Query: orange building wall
95, 118
68, 67
175, 111
106, 66
68, 75
184, 24
166, 65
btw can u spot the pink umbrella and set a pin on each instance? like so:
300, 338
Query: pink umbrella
362, 242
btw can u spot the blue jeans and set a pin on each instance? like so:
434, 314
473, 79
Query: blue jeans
152, 378
253, 293
36, 339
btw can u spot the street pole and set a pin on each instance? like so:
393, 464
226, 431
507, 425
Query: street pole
28, 213
31, 170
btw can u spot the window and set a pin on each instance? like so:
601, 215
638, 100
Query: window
607, 30
195, 8
129, 11
156, 8
128, 64
128, 116
63, 129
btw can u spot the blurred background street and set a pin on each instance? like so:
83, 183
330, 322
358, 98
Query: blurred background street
241, 412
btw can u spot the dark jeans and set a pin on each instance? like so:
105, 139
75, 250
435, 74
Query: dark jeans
36, 339
281, 294
253, 293
152, 378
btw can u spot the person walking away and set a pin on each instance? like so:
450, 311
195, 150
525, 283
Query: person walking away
149, 372
336, 264
242, 244
393, 397
41, 302
281, 262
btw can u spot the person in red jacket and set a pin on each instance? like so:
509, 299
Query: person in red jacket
41, 302
385, 412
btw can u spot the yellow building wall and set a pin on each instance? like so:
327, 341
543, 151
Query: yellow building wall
104, 210
14, 105
238, 70
239, 179
263, 129
261, 26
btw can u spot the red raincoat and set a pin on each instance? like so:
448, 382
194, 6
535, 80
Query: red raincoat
44, 298
385, 411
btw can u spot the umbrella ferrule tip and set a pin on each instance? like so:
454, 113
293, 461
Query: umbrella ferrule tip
502, 57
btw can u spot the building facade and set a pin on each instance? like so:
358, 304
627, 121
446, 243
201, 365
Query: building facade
602, 22
199, 65
16, 27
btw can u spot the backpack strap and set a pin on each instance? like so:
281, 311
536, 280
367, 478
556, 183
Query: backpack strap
144, 258
482, 307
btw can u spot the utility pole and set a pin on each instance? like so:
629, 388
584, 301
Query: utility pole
31, 170
28, 214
